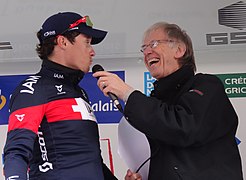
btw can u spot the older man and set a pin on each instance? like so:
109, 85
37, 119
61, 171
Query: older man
188, 120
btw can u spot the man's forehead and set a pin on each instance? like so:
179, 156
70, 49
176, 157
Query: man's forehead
155, 35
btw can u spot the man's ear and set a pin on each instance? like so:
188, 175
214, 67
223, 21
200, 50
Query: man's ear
61, 41
180, 50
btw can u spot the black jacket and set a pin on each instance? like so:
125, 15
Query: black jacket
190, 125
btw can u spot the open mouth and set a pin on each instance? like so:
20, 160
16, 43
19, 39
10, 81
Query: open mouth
153, 61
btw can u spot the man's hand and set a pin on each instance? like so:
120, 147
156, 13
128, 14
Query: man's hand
132, 176
110, 82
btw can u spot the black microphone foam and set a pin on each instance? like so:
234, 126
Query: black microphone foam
112, 96
97, 68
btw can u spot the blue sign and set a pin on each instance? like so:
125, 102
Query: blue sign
104, 109
7, 86
148, 83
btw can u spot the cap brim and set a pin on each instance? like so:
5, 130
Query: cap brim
96, 34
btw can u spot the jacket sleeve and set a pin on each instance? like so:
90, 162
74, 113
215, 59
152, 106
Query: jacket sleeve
200, 115
17, 153
24, 120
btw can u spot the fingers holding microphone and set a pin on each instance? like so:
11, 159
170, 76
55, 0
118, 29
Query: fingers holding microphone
104, 82
111, 83
103, 78
104, 85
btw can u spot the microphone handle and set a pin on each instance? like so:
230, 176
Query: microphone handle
115, 100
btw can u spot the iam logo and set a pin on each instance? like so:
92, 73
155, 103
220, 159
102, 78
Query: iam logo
2, 101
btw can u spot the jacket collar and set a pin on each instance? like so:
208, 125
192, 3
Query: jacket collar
55, 70
169, 86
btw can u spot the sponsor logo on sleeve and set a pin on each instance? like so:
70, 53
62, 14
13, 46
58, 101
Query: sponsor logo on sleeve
20, 117
15, 177
28, 84
46, 166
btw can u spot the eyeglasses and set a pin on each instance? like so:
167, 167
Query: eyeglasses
85, 19
153, 44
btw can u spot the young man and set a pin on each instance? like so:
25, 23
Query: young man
188, 120
52, 132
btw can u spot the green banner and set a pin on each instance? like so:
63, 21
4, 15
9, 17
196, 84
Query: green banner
235, 84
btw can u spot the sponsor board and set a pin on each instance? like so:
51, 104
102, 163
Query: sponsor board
235, 84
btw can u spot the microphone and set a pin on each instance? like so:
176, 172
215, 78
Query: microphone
112, 96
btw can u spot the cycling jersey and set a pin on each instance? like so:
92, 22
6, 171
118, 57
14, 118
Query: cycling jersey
52, 132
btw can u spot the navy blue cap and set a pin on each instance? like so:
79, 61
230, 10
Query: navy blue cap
62, 22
